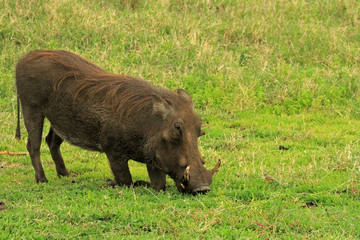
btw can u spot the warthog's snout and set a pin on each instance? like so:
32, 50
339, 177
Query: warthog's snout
202, 190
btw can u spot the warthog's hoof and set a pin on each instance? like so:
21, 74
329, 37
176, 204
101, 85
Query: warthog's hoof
142, 183
111, 182
41, 179
63, 173
2, 206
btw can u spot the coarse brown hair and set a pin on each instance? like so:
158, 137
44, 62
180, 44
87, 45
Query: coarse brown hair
87, 82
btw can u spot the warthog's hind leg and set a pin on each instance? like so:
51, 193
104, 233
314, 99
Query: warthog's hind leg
54, 141
34, 121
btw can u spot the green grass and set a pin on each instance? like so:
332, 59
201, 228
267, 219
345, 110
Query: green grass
262, 74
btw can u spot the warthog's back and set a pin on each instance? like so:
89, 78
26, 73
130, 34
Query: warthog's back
38, 75
78, 97
38, 72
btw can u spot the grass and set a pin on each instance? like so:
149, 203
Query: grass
262, 74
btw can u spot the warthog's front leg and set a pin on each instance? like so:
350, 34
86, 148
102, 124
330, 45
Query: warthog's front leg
157, 179
120, 168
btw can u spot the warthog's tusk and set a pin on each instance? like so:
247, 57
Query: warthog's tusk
216, 168
187, 174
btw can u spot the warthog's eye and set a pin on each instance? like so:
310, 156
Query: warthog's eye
177, 126
176, 132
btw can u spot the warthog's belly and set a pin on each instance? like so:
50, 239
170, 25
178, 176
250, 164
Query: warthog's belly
78, 140
80, 128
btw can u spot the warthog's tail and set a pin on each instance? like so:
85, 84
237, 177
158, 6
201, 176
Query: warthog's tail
17, 134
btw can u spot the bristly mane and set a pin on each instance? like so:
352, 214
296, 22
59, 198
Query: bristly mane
87, 82
120, 94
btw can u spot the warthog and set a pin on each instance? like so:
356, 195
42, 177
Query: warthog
125, 117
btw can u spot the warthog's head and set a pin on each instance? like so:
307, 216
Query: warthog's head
177, 144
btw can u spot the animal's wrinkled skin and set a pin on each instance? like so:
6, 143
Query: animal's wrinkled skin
124, 117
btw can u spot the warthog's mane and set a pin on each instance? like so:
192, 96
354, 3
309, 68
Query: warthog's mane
122, 95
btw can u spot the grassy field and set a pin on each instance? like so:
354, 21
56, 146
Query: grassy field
277, 84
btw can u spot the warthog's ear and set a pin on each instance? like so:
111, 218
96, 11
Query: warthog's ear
185, 95
160, 106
